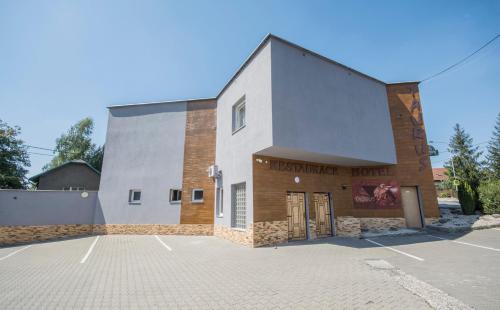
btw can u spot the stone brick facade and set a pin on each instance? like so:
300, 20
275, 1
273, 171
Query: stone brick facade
22, 234
154, 229
244, 237
348, 226
270, 233
381, 222
10, 235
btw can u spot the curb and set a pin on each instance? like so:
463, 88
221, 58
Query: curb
460, 229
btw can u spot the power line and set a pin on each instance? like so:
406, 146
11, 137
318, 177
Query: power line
40, 148
461, 61
34, 153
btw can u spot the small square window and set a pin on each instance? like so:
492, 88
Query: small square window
197, 195
175, 195
134, 196
239, 115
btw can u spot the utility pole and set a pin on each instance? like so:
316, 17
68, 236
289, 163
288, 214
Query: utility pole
454, 176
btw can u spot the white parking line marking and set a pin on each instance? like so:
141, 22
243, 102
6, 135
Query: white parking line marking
466, 243
89, 251
15, 252
163, 243
397, 251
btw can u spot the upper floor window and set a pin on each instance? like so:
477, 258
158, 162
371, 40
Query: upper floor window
239, 120
134, 196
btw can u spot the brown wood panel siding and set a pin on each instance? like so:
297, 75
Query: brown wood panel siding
199, 154
414, 166
270, 188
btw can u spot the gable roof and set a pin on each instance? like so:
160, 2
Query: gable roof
249, 59
270, 36
35, 178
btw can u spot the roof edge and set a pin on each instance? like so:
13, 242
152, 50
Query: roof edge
404, 82
158, 102
82, 162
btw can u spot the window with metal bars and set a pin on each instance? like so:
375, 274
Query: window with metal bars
238, 206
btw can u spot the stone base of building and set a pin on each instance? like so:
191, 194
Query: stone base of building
270, 233
377, 223
10, 235
431, 220
240, 236
348, 226
154, 229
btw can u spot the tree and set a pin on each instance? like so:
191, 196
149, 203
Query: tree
465, 157
489, 194
493, 156
77, 144
13, 158
95, 159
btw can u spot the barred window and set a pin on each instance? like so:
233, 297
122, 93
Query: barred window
238, 206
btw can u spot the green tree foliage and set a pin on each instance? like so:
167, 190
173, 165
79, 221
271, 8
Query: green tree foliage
465, 157
489, 194
13, 158
76, 143
493, 155
467, 197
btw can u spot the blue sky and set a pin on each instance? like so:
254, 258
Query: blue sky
61, 61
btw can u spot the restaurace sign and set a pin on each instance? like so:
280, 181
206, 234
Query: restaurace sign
280, 165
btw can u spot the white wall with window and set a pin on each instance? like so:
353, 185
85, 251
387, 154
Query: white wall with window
144, 150
249, 94
238, 206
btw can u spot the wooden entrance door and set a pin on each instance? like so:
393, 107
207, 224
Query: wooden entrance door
323, 218
411, 207
296, 204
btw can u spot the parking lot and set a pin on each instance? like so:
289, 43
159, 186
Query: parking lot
139, 272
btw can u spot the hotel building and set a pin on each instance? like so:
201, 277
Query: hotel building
295, 146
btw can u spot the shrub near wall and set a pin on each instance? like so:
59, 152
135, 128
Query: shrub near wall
467, 198
489, 194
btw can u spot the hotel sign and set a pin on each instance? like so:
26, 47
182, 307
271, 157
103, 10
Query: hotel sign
280, 165
371, 172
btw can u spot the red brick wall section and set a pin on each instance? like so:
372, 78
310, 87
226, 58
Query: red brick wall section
414, 166
199, 154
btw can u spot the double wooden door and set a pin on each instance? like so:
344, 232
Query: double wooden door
320, 215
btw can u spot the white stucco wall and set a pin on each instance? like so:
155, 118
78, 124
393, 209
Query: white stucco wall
324, 112
144, 150
234, 151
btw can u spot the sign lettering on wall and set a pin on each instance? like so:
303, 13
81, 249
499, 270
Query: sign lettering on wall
418, 133
371, 172
376, 194
280, 165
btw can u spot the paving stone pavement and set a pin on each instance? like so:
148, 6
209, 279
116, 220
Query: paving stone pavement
138, 272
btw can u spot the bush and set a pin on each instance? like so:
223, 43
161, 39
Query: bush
467, 198
489, 194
